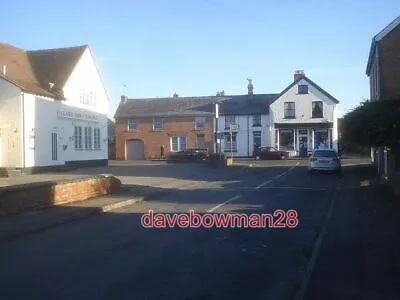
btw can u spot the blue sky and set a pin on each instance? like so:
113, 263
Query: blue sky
158, 47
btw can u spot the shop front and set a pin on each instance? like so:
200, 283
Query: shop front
300, 140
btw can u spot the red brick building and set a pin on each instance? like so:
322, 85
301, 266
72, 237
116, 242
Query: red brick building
143, 126
383, 69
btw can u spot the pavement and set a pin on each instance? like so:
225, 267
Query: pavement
344, 247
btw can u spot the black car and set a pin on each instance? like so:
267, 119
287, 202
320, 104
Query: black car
269, 153
189, 154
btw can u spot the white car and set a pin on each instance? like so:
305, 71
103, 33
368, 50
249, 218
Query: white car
324, 160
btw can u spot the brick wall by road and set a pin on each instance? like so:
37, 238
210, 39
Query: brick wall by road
18, 198
181, 126
390, 65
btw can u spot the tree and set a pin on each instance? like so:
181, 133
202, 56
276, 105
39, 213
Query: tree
221, 93
373, 123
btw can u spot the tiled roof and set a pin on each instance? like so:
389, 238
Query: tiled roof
32, 71
195, 106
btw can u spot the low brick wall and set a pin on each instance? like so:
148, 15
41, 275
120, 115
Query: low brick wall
18, 198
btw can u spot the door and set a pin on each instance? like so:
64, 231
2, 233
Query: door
134, 150
303, 142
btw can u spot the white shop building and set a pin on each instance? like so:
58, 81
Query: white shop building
53, 109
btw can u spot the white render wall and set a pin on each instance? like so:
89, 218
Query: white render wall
10, 125
86, 77
42, 120
244, 138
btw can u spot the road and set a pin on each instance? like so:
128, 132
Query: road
111, 256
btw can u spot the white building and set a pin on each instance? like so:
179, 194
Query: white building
53, 108
303, 117
298, 120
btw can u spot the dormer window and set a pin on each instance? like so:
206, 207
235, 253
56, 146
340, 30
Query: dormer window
303, 89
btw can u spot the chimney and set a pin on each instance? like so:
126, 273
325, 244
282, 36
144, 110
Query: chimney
4, 73
298, 74
124, 99
250, 88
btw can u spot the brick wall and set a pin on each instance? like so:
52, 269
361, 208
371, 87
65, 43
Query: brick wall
390, 65
154, 139
18, 198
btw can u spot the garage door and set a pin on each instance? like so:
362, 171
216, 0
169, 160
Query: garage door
134, 150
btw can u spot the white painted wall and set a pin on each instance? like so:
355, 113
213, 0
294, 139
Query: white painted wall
245, 133
10, 125
85, 77
42, 119
303, 104
303, 109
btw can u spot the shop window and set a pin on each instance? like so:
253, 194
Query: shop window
321, 139
286, 139
78, 137
289, 110
317, 109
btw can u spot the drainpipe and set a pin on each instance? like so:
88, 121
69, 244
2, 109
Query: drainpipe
23, 128
248, 137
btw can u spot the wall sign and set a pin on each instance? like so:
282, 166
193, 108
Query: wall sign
76, 115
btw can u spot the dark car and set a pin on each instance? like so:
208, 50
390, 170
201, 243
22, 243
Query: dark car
269, 153
189, 154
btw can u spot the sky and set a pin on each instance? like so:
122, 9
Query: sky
155, 48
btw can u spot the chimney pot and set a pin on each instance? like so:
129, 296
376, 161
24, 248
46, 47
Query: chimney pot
124, 99
298, 74
250, 87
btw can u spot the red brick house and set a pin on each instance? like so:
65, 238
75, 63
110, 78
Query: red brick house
143, 126
383, 70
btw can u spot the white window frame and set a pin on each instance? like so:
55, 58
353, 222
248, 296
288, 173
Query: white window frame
161, 121
97, 138
180, 143
230, 119
257, 118
78, 137
228, 144
202, 121
88, 138
132, 124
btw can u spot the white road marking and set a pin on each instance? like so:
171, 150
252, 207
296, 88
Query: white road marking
223, 203
262, 184
280, 175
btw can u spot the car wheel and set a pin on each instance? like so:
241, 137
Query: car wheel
283, 157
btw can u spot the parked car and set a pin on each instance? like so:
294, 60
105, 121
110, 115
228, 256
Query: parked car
270, 153
324, 160
189, 154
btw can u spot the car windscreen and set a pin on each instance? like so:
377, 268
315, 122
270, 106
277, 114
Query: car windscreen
324, 154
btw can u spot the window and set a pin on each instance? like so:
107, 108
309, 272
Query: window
290, 110
178, 143
97, 138
87, 97
88, 138
200, 143
317, 109
78, 137
230, 144
229, 120
158, 124
256, 139
303, 89
132, 124
54, 146
200, 122
257, 120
